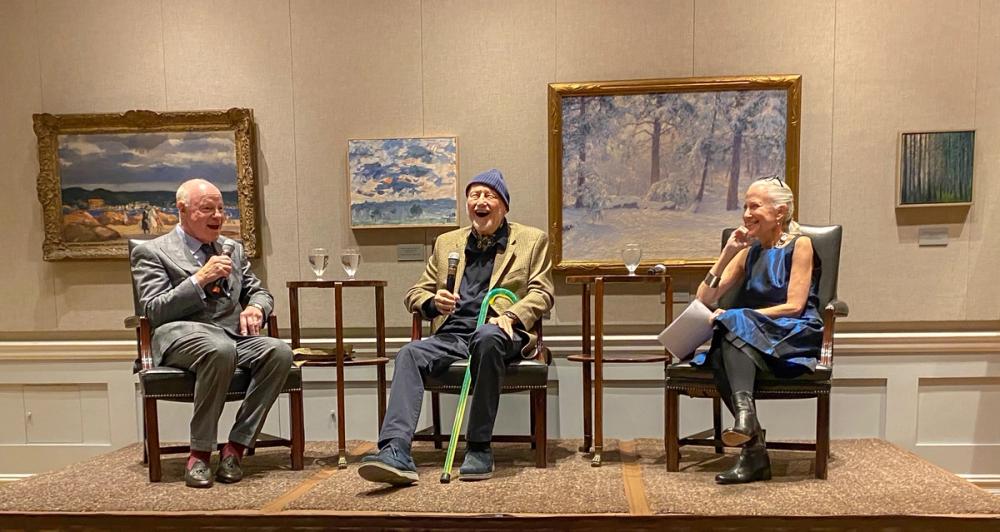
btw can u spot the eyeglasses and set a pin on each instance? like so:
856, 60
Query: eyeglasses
476, 194
774, 177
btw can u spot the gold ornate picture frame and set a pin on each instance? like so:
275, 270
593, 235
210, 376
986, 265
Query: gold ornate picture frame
662, 163
105, 178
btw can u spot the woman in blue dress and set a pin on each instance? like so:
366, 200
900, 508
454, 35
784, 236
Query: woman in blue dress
773, 324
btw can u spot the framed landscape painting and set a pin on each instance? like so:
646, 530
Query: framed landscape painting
403, 182
106, 178
935, 168
662, 163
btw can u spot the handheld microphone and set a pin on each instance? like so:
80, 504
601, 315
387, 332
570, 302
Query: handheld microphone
452, 270
220, 286
658, 269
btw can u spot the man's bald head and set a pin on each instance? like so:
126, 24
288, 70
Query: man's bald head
191, 188
201, 210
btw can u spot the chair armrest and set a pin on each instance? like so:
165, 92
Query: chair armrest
416, 329
144, 341
838, 307
272, 326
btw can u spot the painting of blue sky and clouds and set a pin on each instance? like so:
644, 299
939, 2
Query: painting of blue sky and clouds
116, 186
403, 182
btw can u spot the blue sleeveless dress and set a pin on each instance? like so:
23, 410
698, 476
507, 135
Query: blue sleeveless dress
790, 345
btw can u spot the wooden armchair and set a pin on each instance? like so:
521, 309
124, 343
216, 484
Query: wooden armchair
683, 379
530, 375
162, 383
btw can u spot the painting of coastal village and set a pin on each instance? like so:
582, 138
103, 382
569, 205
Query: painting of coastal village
123, 185
405, 182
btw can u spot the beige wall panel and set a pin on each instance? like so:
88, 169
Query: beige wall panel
357, 74
101, 55
984, 217
92, 295
487, 66
98, 57
898, 67
735, 37
27, 280
623, 39
238, 54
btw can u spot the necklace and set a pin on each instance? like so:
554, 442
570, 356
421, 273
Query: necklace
782, 239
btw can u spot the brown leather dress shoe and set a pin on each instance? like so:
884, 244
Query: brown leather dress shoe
199, 475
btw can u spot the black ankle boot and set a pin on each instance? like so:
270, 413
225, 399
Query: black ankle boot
745, 428
753, 464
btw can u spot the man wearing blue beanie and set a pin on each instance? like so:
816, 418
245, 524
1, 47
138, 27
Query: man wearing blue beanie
492, 253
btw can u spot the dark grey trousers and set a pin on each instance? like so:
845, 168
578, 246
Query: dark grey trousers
491, 350
213, 358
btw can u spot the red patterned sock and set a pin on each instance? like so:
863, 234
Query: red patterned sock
204, 456
232, 448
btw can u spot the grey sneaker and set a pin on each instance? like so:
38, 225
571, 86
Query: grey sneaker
390, 465
478, 465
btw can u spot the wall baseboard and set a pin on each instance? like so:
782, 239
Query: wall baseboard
990, 483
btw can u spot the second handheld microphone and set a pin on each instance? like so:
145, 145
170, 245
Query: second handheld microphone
220, 287
453, 258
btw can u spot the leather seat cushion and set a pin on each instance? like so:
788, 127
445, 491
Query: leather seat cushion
521, 375
686, 372
178, 385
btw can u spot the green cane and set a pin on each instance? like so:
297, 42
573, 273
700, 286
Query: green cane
467, 382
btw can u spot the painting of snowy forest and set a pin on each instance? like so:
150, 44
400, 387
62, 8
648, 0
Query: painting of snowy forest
663, 163
405, 182
936, 168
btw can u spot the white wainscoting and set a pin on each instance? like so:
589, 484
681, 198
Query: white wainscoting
935, 394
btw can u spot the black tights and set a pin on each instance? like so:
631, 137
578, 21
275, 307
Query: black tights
734, 370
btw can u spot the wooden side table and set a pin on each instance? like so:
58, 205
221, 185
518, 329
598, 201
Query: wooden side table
379, 360
598, 359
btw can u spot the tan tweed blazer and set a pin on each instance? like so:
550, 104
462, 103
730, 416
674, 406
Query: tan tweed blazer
523, 268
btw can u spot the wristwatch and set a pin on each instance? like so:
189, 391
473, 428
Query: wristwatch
512, 316
259, 307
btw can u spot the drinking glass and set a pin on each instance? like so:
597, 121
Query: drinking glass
350, 259
632, 255
319, 259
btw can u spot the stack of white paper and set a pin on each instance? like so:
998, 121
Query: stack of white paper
688, 331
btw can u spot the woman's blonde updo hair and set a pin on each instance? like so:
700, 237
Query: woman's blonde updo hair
780, 194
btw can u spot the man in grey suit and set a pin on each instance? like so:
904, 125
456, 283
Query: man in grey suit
206, 310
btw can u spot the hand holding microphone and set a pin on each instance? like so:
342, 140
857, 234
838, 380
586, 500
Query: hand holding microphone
220, 286
446, 300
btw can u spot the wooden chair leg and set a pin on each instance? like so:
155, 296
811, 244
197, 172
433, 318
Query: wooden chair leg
436, 418
298, 430
822, 434
539, 407
380, 376
152, 438
671, 424
717, 424
534, 437
145, 441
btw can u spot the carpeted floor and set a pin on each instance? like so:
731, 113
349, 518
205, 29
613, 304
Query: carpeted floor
867, 477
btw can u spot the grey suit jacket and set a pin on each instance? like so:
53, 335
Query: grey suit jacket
160, 270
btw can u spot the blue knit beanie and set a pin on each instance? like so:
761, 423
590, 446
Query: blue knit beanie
493, 179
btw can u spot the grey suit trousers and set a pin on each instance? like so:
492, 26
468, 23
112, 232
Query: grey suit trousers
213, 358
